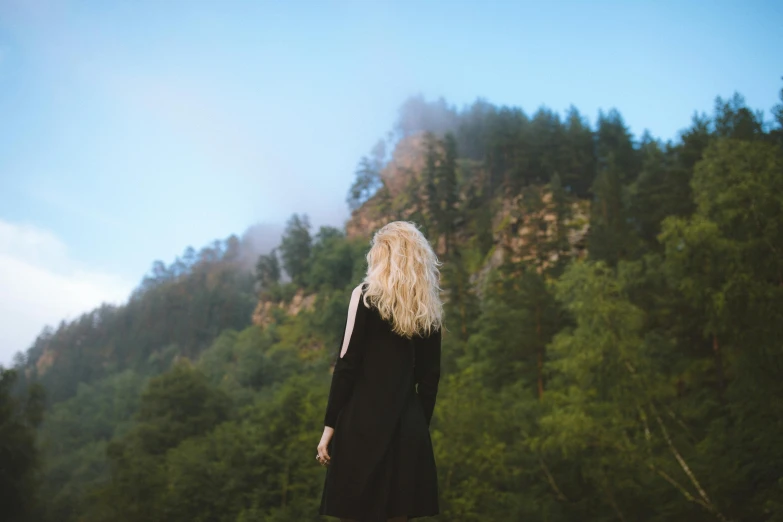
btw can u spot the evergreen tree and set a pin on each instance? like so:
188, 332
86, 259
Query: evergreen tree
447, 192
611, 237
295, 248
368, 181
268, 270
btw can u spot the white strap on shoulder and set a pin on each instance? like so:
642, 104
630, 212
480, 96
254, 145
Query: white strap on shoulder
352, 308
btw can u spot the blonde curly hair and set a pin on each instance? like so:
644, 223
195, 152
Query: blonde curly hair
403, 279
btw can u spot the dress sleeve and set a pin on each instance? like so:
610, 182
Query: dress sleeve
348, 364
427, 371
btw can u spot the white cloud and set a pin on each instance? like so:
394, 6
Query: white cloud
41, 285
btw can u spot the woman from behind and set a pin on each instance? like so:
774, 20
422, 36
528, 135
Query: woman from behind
376, 444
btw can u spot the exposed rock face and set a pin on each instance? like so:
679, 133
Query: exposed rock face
518, 231
45, 361
408, 161
392, 202
263, 314
512, 224
522, 232
364, 221
519, 234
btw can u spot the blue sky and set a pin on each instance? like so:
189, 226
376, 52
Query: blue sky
132, 129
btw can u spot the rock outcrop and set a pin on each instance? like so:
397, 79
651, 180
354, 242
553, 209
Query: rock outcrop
263, 315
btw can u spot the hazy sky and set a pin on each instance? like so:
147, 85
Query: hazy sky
130, 129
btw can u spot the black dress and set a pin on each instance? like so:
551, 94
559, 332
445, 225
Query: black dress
380, 405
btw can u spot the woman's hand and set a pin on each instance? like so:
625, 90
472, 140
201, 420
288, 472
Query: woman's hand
323, 451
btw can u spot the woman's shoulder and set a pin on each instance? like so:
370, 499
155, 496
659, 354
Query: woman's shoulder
358, 292
357, 296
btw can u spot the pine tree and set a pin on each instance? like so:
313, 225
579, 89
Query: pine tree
295, 247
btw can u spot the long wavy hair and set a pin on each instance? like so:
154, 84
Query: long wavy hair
403, 279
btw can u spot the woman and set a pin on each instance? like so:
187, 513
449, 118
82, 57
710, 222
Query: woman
376, 441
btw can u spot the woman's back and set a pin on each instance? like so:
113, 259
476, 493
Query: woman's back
381, 452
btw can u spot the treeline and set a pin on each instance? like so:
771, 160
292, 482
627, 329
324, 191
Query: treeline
176, 310
629, 385
636, 383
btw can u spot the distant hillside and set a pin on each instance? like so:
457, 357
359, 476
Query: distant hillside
614, 310
177, 311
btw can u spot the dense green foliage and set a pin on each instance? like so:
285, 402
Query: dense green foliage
640, 382
19, 456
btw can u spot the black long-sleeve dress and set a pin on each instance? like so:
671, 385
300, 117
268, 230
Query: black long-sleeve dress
381, 401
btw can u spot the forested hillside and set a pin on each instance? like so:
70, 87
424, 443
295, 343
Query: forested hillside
614, 317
